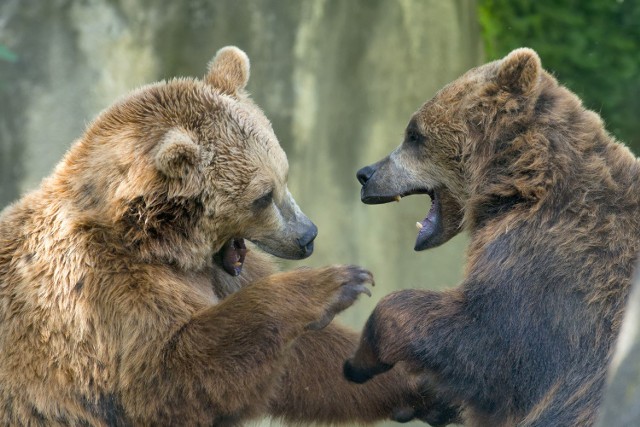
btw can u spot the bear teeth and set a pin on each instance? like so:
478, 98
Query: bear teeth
419, 225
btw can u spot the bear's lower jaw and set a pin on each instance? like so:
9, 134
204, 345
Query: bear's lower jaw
436, 228
430, 228
231, 256
378, 199
443, 221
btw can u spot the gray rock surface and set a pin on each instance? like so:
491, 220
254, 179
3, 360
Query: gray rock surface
622, 400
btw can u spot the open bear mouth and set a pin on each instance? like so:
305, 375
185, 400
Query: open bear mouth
231, 256
430, 229
443, 221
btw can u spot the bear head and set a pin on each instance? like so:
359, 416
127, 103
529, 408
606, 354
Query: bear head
185, 170
451, 141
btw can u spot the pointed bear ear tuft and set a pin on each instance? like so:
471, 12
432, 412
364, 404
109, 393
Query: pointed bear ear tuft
519, 71
177, 154
229, 70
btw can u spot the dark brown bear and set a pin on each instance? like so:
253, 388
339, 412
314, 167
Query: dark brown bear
552, 205
127, 296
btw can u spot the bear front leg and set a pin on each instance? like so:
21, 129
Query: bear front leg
223, 363
313, 388
411, 326
399, 320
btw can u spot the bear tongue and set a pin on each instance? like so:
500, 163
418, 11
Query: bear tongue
233, 254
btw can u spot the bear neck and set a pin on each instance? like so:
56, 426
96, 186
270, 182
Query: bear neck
546, 158
168, 231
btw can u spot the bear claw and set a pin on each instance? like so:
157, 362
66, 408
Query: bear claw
348, 292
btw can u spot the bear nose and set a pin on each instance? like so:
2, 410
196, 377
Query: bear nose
365, 174
307, 238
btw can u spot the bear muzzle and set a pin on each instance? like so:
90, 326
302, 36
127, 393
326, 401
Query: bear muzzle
385, 181
306, 240
294, 241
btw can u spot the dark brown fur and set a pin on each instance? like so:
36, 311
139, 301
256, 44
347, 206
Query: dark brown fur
112, 310
552, 205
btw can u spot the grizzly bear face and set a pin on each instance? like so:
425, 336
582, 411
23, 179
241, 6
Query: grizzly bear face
240, 169
195, 169
445, 138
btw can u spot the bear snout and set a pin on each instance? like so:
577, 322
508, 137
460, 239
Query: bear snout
306, 240
373, 191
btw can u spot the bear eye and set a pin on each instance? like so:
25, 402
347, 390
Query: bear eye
413, 136
263, 201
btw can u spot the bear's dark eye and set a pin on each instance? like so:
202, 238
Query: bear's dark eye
263, 201
413, 135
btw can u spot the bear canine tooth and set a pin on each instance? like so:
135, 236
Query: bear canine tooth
418, 226
397, 198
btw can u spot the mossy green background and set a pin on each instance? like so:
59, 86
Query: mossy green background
591, 46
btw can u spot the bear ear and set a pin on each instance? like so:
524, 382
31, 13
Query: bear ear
177, 154
228, 70
519, 71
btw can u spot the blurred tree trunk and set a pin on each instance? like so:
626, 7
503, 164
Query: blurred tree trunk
339, 80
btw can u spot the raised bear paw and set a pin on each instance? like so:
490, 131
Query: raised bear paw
345, 284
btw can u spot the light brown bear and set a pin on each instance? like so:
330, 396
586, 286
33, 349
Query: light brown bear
552, 205
128, 296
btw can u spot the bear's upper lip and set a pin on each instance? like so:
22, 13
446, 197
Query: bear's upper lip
430, 229
380, 199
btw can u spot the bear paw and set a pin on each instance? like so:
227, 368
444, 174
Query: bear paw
348, 282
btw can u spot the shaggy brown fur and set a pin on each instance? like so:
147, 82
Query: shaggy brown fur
552, 205
122, 301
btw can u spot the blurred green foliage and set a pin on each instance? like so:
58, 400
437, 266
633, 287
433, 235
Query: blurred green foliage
591, 46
